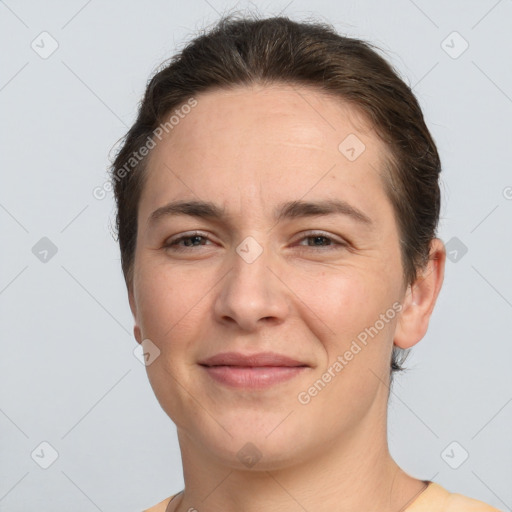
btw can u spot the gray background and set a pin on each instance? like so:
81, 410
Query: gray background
68, 373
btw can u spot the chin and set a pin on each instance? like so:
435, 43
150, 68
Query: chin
254, 440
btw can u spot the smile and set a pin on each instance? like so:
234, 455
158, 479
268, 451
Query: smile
255, 371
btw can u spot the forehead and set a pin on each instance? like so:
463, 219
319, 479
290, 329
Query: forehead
266, 141
278, 113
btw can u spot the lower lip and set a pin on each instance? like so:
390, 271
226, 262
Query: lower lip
253, 377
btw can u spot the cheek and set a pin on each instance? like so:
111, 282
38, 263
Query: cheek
169, 303
347, 300
171, 307
357, 322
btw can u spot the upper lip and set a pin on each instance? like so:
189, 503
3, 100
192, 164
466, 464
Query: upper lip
250, 360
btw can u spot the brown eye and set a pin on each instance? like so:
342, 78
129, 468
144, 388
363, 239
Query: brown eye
318, 240
321, 240
185, 242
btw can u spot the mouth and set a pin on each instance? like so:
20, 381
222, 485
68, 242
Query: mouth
255, 371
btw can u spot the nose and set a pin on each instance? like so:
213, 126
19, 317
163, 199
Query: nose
251, 294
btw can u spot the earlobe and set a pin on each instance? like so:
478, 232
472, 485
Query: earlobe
136, 333
420, 299
136, 329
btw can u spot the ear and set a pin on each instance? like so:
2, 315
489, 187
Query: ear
420, 298
136, 329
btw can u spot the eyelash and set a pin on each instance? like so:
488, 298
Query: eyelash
173, 244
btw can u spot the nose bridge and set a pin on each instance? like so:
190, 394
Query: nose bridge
250, 292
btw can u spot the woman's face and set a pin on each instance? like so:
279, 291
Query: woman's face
288, 248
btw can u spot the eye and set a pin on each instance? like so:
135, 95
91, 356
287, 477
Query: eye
187, 242
322, 240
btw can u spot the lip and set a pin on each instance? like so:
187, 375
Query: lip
254, 371
251, 360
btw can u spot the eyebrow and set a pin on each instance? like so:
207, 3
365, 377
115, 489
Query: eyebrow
288, 210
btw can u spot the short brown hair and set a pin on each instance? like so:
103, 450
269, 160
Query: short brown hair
243, 50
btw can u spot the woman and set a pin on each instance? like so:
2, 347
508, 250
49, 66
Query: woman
278, 201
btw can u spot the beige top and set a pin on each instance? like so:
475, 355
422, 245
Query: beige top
437, 499
433, 499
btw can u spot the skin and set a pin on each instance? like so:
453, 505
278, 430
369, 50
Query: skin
248, 150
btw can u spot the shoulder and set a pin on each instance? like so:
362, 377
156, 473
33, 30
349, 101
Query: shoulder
458, 503
160, 507
437, 499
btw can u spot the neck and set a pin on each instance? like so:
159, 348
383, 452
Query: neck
351, 474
